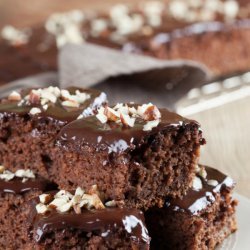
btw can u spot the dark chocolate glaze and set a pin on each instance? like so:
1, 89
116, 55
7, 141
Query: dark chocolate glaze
101, 222
111, 136
16, 186
195, 201
56, 111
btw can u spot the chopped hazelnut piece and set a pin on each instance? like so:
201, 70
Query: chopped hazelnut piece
35, 111
197, 184
213, 183
150, 125
111, 203
14, 96
1, 169
151, 113
45, 198
41, 208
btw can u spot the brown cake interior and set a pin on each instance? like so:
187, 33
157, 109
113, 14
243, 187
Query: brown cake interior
157, 163
13, 196
30, 138
201, 220
108, 228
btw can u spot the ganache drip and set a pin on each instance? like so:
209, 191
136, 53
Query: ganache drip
197, 200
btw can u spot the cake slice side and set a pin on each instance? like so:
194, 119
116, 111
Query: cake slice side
201, 220
138, 164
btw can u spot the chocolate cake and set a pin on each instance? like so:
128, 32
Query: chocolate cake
16, 189
177, 29
135, 154
85, 224
202, 219
30, 121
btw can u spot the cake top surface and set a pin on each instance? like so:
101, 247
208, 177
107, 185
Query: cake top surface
63, 105
85, 211
206, 185
22, 181
119, 128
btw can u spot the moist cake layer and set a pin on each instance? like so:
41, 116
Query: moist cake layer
139, 163
85, 224
13, 196
202, 219
30, 121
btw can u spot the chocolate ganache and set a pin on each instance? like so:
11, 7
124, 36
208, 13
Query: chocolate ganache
102, 222
55, 111
113, 137
197, 200
18, 186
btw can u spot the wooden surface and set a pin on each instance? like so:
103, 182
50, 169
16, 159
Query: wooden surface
227, 131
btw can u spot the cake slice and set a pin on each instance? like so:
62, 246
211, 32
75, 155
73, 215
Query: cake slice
202, 219
16, 189
80, 220
30, 121
137, 154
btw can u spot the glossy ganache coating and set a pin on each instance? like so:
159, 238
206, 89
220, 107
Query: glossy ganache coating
18, 186
196, 201
102, 222
56, 111
113, 137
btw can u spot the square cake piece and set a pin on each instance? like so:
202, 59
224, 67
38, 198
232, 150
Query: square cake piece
30, 121
135, 154
80, 220
16, 189
202, 219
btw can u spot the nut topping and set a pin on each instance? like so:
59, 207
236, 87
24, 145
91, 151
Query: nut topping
49, 96
63, 201
127, 115
197, 184
25, 174
14, 96
213, 183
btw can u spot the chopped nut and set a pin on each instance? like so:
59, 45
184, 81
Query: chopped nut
197, 168
150, 125
77, 209
58, 202
64, 208
102, 118
41, 208
35, 111
64, 194
127, 120
7, 175
111, 114
213, 183
45, 198
76, 199
71, 104
203, 173
79, 191
2, 168
151, 113
45, 107
231, 9
111, 203
22, 173
92, 201
34, 97
48, 95
197, 184
14, 96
